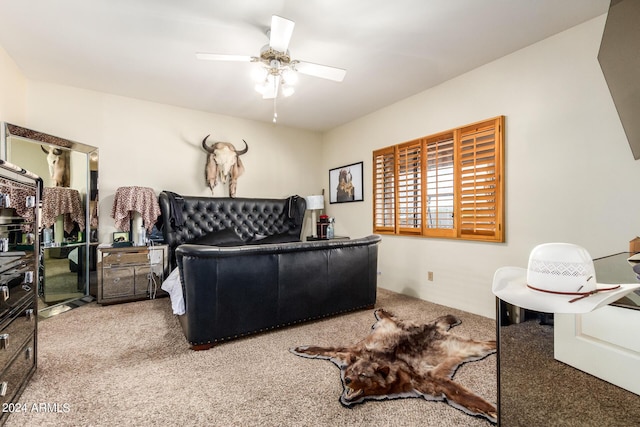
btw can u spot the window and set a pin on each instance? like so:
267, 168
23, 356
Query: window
384, 211
445, 185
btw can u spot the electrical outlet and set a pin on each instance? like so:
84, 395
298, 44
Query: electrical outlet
430, 276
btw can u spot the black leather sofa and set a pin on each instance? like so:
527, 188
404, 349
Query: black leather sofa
265, 277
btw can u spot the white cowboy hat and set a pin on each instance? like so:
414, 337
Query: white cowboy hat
560, 278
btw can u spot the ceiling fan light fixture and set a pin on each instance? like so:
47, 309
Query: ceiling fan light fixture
274, 78
276, 72
288, 90
289, 76
265, 84
259, 74
260, 88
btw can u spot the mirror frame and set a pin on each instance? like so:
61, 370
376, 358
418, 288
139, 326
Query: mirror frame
8, 130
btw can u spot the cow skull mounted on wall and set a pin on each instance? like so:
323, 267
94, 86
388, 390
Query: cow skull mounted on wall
59, 166
223, 161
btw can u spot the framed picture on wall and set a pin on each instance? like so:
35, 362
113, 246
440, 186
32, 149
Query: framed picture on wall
120, 236
346, 184
121, 239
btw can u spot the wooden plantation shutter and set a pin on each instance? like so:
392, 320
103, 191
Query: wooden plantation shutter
439, 187
479, 205
384, 191
446, 185
409, 188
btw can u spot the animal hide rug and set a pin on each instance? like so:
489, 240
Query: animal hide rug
405, 359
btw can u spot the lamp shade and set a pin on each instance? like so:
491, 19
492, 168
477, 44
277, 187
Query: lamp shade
315, 202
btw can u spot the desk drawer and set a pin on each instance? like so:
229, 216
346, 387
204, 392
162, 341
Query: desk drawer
117, 282
16, 284
14, 376
16, 331
142, 279
119, 258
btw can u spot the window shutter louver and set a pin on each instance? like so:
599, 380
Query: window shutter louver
440, 185
479, 165
384, 191
409, 188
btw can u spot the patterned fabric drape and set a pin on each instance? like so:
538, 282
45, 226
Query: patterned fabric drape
135, 199
62, 201
18, 196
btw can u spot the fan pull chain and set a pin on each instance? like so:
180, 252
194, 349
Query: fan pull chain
275, 111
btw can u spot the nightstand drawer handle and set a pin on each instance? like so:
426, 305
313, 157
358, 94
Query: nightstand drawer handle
3, 389
29, 314
4, 341
28, 353
4, 291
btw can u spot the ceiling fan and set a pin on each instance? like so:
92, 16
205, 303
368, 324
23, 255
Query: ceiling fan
278, 69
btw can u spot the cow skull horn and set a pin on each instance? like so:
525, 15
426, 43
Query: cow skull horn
246, 148
205, 146
211, 149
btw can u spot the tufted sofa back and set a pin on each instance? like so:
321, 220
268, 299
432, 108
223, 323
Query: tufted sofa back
186, 218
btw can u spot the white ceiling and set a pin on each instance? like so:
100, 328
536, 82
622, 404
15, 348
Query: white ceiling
391, 49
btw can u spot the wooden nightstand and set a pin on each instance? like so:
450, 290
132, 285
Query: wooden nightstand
131, 273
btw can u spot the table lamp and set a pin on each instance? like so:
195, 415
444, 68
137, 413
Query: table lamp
314, 204
135, 208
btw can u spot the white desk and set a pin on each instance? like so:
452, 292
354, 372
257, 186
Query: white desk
606, 342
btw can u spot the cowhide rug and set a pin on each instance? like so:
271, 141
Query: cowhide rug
404, 359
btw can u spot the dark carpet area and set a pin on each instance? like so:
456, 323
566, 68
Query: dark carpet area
537, 390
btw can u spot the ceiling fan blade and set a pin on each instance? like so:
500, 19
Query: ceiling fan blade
322, 71
280, 34
223, 57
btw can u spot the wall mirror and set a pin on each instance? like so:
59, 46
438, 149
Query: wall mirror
69, 210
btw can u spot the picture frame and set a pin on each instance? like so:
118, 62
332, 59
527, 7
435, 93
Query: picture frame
346, 183
120, 236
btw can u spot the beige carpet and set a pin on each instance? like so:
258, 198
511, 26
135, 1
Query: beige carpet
129, 364
557, 394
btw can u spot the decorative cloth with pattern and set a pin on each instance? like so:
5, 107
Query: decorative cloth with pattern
62, 201
135, 199
18, 195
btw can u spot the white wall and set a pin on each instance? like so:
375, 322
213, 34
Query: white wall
570, 175
159, 146
12, 90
